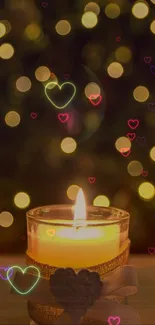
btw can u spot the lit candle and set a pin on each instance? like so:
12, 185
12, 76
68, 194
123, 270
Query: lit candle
75, 243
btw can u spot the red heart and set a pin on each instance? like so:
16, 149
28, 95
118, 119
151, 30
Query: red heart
144, 173
131, 136
66, 76
44, 4
94, 97
133, 123
92, 180
147, 59
118, 38
124, 152
63, 117
33, 115
151, 250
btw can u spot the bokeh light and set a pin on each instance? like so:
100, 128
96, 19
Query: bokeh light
135, 168
92, 121
89, 19
7, 25
23, 84
92, 89
123, 54
12, 119
33, 32
2, 29
6, 51
63, 27
123, 144
112, 10
146, 190
6, 219
115, 70
152, 153
101, 201
152, 27
42, 73
92, 6
22, 200
140, 9
72, 192
68, 145
153, 1
141, 94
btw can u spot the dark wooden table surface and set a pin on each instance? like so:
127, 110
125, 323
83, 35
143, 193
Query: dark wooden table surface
13, 309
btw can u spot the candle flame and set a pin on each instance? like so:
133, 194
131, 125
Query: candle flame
80, 207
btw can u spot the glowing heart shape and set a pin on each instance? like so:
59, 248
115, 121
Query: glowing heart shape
23, 271
91, 180
131, 136
144, 173
151, 250
5, 269
124, 152
60, 87
63, 117
133, 124
33, 115
50, 232
114, 320
94, 97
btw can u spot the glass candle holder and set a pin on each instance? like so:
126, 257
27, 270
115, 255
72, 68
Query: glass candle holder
56, 239
100, 243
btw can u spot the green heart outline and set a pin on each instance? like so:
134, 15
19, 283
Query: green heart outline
23, 271
60, 86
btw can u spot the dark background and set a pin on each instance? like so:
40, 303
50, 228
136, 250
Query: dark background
23, 161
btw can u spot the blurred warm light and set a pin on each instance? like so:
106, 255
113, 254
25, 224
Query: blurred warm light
12, 119
6, 219
68, 145
22, 200
89, 19
92, 89
135, 168
150, 120
33, 32
23, 84
152, 27
140, 9
141, 94
92, 121
146, 191
112, 10
2, 29
6, 51
53, 83
121, 199
92, 6
115, 70
153, 1
123, 54
101, 201
80, 206
72, 192
63, 27
7, 25
42, 73
123, 144
152, 153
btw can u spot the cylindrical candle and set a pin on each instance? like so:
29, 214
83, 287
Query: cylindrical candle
54, 239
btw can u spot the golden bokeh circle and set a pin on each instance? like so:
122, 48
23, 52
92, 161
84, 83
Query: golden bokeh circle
135, 168
68, 145
6, 51
22, 200
89, 19
72, 192
112, 10
6, 219
141, 94
63, 27
115, 70
140, 9
12, 119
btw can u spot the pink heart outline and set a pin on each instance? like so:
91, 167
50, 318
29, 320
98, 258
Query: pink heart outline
125, 153
133, 121
5, 269
111, 318
150, 251
144, 173
91, 97
92, 180
61, 116
33, 115
147, 59
131, 136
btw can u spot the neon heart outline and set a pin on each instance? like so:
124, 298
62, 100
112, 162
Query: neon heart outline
23, 271
125, 153
67, 117
48, 232
91, 97
94, 179
60, 86
128, 135
114, 318
132, 121
4, 268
